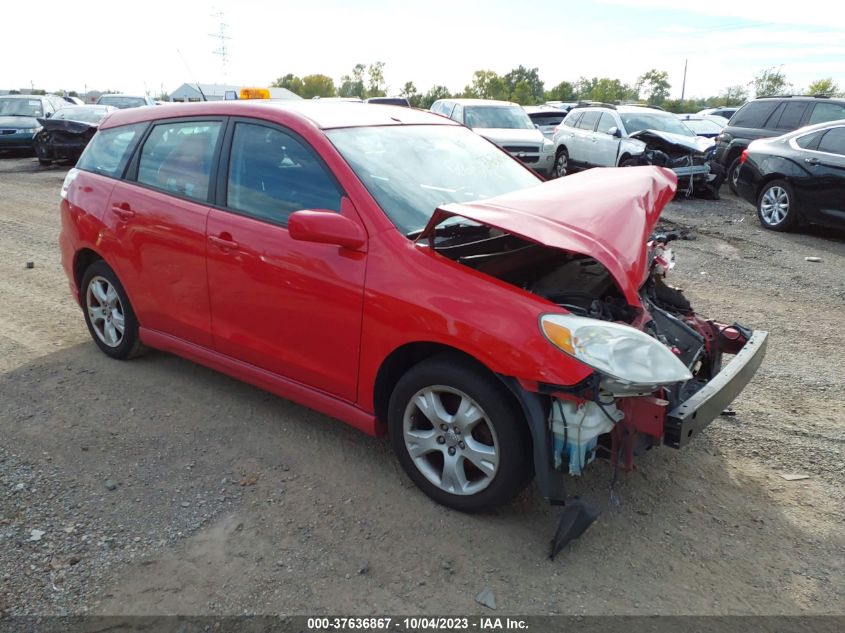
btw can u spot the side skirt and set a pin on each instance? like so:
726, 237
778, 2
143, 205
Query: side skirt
288, 389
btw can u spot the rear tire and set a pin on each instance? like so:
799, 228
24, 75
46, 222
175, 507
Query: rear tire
459, 437
108, 313
777, 206
561, 166
733, 174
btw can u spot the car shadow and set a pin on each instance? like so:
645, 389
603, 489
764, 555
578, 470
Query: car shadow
696, 531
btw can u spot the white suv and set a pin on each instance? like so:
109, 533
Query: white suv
504, 123
620, 136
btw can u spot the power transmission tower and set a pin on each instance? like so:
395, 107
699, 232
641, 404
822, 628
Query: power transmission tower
222, 36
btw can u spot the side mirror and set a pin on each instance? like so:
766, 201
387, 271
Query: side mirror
326, 227
615, 132
47, 115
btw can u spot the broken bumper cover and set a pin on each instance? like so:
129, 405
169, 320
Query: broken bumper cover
693, 171
690, 417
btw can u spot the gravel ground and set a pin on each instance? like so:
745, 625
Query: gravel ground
160, 487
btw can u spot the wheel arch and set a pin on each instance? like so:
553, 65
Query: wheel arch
400, 360
82, 259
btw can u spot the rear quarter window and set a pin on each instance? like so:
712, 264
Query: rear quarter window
109, 150
753, 114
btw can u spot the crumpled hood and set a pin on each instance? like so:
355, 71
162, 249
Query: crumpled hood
68, 125
604, 213
20, 122
693, 143
509, 136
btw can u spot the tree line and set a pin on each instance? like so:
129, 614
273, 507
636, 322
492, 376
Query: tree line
524, 86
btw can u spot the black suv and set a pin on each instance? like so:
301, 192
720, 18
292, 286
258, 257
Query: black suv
771, 116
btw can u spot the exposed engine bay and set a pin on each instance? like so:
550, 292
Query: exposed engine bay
577, 283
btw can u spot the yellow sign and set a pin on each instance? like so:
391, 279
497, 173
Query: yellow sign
255, 93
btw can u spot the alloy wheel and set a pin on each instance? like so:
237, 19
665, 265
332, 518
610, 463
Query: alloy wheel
105, 311
774, 205
451, 440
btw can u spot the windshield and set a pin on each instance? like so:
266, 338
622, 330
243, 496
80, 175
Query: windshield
507, 117
412, 170
89, 114
121, 102
21, 107
702, 126
636, 122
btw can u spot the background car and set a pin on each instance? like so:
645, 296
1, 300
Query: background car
19, 116
73, 100
504, 123
64, 135
125, 101
767, 117
703, 125
546, 118
622, 136
797, 176
725, 112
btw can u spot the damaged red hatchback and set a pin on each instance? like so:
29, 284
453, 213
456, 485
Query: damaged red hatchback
398, 272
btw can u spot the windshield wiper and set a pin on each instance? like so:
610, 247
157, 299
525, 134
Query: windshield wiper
455, 228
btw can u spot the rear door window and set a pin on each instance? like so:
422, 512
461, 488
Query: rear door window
109, 150
272, 174
809, 141
753, 114
826, 111
833, 142
177, 157
572, 119
588, 121
790, 117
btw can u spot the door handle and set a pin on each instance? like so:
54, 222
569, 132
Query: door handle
812, 161
222, 243
123, 211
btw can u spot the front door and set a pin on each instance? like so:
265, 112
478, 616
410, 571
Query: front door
292, 308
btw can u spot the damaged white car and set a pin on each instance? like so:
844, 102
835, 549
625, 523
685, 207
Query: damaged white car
604, 135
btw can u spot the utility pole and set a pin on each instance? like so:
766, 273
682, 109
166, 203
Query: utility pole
684, 85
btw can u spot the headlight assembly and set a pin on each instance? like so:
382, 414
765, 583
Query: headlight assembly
627, 356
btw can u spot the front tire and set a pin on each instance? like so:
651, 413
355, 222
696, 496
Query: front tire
457, 434
108, 313
777, 206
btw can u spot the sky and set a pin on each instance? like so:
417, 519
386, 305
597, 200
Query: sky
156, 46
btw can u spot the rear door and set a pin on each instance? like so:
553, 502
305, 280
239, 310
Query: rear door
290, 307
827, 164
158, 218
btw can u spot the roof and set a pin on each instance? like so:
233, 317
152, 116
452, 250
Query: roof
323, 114
544, 108
480, 102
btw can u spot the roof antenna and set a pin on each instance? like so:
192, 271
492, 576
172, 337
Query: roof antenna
182, 57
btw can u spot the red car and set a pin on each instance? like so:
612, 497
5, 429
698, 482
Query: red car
392, 269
